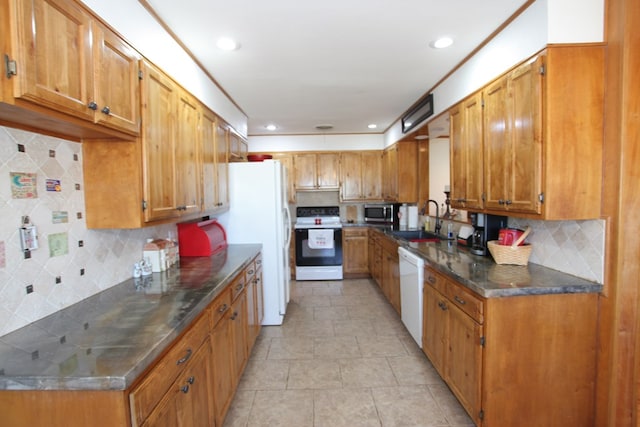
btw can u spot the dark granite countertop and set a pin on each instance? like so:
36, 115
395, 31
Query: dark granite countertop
107, 340
483, 276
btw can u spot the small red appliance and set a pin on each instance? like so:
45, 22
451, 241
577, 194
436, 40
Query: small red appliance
203, 238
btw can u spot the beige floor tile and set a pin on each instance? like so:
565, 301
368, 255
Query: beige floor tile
238, 414
314, 374
265, 375
336, 347
453, 410
411, 345
408, 406
367, 372
315, 328
381, 345
414, 370
330, 313
393, 326
315, 300
353, 327
260, 348
328, 291
293, 347
284, 408
345, 408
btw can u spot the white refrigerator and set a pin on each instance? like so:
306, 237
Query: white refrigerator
259, 213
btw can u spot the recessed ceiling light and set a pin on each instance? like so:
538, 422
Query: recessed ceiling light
372, 126
441, 43
226, 43
271, 127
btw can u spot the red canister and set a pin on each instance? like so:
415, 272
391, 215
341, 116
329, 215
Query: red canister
507, 236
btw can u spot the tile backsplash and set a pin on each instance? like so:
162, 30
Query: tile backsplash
82, 262
72, 262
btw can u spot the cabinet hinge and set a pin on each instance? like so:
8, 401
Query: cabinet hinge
484, 197
482, 341
481, 414
11, 66
140, 74
541, 70
144, 205
541, 197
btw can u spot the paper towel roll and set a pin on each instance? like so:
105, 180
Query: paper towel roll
412, 220
403, 217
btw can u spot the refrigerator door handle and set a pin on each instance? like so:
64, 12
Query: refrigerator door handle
287, 230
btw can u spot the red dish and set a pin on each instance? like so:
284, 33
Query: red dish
259, 157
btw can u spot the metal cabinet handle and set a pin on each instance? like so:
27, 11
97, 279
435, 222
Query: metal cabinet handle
106, 110
185, 389
186, 357
92, 106
223, 308
250, 272
500, 202
235, 314
508, 202
191, 380
459, 300
431, 280
442, 305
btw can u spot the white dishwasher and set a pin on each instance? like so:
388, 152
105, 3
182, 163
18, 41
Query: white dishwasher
411, 285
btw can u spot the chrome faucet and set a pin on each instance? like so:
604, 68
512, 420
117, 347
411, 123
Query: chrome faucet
438, 225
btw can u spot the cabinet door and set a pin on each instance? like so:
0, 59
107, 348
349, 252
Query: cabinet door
159, 144
222, 366
525, 179
222, 166
209, 157
497, 144
466, 153
55, 59
188, 187
390, 174
463, 370
371, 175
355, 251
351, 176
435, 327
239, 324
328, 170
117, 81
305, 171
287, 162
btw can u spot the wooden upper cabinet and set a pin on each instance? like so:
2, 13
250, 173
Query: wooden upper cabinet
68, 62
400, 172
360, 175
214, 154
542, 128
117, 81
160, 95
466, 153
316, 171
238, 148
512, 140
188, 178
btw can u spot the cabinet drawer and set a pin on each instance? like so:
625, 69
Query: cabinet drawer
435, 280
220, 306
148, 393
258, 261
250, 272
237, 286
466, 301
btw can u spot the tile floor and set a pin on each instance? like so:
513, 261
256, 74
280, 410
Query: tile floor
341, 358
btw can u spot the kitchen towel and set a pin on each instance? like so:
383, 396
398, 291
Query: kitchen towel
320, 238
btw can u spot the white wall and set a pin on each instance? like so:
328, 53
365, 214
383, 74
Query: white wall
142, 31
316, 142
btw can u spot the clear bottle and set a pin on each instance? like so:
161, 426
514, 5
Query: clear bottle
450, 230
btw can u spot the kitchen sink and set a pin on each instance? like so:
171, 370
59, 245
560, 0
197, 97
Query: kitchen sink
416, 235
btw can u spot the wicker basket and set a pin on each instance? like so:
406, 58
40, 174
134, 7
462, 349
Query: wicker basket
502, 254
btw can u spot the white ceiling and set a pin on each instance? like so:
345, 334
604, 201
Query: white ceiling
347, 63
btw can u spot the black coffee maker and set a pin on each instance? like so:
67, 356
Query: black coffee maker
485, 228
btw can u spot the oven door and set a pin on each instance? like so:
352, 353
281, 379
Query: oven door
309, 257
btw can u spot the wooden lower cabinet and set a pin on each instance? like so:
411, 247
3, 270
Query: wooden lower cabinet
355, 249
513, 361
191, 384
384, 265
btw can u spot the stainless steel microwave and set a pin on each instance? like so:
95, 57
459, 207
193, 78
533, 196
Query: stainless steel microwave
384, 214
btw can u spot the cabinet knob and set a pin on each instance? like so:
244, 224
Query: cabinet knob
185, 389
223, 308
459, 300
507, 202
191, 380
500, 202
106, 110
92, 106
